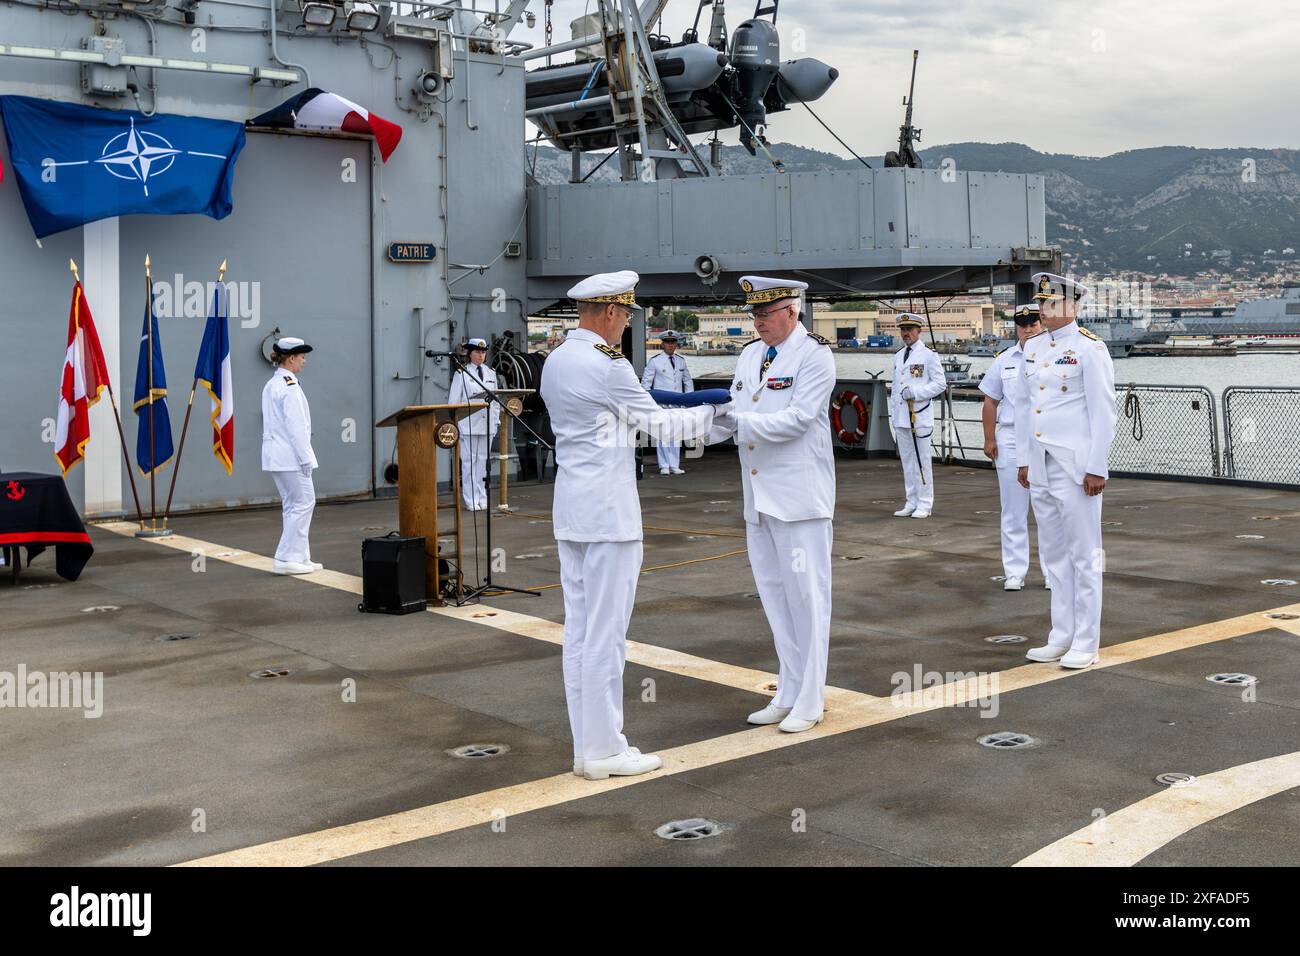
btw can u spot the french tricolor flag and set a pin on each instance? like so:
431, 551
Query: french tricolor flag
323, 112
213, 370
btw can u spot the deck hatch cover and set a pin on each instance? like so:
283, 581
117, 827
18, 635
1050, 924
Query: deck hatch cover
696, 828
1233, 678
1006, 740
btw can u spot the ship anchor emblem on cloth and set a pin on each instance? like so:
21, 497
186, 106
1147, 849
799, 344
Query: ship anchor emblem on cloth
15, 492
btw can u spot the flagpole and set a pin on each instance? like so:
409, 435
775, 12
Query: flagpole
176, 467
153, 465
117, 418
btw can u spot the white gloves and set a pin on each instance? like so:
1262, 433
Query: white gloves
306, 470
724, 416
905, 393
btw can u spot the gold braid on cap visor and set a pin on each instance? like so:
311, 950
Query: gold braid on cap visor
769, 295
621, 298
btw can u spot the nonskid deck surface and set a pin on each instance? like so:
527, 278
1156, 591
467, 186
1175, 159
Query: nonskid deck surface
346, 759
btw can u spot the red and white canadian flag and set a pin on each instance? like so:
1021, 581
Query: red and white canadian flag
85, 376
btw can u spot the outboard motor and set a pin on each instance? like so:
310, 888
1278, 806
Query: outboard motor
756, 58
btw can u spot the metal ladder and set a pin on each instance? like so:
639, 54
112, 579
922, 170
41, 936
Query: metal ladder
641, 113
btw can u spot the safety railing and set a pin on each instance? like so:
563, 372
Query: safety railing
1261, 427
1166, 430
1161, 430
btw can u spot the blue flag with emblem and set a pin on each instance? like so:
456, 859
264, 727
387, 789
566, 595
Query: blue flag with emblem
77, 164
153, 439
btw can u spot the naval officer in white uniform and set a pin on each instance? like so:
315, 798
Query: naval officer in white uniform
288, 456
596, 405
1065, 422
668, 373
1001, 386
477, 430
918, 379
780, 399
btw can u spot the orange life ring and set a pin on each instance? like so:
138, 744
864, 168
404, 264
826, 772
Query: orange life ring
849, 397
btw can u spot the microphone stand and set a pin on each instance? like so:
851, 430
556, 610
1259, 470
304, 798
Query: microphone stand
487, 585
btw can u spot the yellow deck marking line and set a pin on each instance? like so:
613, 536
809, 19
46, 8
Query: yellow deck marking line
482, 808
1129, 836
512, 622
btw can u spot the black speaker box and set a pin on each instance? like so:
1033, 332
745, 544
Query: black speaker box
392, 575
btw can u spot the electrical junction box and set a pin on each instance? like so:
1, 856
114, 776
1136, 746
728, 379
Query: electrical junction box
107, 78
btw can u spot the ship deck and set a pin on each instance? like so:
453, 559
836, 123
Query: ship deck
194, 760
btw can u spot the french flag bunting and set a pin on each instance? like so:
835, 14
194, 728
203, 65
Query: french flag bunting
319, 111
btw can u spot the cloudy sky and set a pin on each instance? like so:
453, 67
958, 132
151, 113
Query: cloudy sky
1073, 76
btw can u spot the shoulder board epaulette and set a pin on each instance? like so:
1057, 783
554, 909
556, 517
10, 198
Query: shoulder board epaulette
289, 381
818, 339
1036, 335
753, 340
1004, 351
1092, 335
611, 352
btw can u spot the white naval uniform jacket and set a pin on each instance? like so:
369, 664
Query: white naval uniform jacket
1067, 405
667, 372
783, 430
919, 378
1003, 382
590, 390
286, 424
468, 387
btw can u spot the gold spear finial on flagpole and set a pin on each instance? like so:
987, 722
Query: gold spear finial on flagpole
72, 264
221, 272
146, 266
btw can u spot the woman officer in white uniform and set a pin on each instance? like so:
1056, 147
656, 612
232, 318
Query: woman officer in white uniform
287, 454
477, 430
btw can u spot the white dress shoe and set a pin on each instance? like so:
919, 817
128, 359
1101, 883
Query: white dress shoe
292, 567
771, 714
664, 471
1076, 660
904, 512
677, 471
1046, 653
577, 766
627, 764
920, 514
1013, 584
793, 725
315, 565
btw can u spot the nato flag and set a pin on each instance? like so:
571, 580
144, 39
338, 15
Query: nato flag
77, 164
153, 439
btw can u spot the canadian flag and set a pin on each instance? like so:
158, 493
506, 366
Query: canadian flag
85, 375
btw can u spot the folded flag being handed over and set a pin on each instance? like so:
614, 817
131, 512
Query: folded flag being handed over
705, 396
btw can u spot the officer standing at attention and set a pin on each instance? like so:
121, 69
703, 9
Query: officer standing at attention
1065, 422
918, 378
1001, 386
663, 371
596, 406
477, 430
287, 454
780, 397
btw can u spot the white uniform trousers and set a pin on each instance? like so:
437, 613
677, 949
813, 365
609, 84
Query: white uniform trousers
599, 581
791, 561
1015, 518
1069, 535
297, 502
920, 497
670, 456
473, 471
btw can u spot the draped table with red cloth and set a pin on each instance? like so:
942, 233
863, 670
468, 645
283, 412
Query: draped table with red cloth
36, 512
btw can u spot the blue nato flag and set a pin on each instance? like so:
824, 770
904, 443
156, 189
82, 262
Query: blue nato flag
77, 164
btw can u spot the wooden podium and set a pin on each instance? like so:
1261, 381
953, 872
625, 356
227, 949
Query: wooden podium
421, 431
